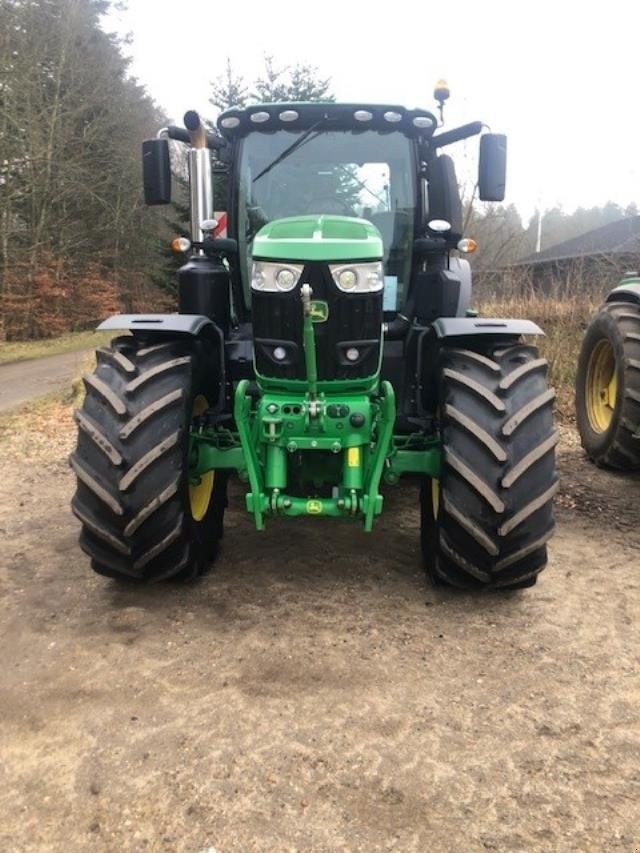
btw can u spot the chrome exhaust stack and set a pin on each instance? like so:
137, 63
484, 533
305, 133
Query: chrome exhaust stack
200, 177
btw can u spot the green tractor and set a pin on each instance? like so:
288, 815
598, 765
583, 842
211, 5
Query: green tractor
608, 380
323, 350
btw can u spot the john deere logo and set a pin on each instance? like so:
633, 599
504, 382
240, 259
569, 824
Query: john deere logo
314, 507
319, 311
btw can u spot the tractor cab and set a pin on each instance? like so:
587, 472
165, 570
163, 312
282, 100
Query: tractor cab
349, 160
380, 163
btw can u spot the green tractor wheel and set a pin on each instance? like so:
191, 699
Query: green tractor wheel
486, 522
608, 387
142, 517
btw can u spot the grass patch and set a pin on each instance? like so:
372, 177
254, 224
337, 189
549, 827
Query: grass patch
564, 322
74, 341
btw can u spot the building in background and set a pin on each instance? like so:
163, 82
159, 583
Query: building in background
590, 260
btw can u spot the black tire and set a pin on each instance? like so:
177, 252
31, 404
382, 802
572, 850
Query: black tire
487, 523
131, 461
608, 436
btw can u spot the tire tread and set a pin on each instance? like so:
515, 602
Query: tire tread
131, 462
499, 478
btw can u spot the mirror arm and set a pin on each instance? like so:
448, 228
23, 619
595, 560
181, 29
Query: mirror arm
457, 134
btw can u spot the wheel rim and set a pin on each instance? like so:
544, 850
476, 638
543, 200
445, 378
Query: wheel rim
602, 387
435, 498
200, 493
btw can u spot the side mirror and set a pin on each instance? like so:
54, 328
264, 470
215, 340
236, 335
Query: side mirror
492, 169
444, 196
156, 171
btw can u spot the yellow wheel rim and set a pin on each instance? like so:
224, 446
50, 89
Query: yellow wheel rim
435, 497
200, 494
601, 392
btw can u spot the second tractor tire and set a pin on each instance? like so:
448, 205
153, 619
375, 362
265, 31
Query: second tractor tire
608, 387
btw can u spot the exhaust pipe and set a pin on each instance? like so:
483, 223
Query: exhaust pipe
200, 183
203, 282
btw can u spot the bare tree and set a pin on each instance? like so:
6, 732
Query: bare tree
72, 122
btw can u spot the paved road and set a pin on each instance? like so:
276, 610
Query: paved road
22, 381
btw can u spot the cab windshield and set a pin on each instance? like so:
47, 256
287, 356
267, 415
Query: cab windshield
367, 174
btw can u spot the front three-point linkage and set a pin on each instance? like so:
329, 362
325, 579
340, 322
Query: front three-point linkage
287, 427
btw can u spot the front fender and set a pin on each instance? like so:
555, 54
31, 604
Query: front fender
192, 325
459, 327
185, 324
626, 291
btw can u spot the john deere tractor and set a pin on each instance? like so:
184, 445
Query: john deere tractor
608, 380
324, 351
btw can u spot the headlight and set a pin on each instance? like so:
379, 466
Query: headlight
347, 279
275, 277
358, 278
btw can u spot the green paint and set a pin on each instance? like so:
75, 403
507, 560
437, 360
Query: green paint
318, 238
278, 431
426, 461
353, 469
266, 443
241, 410
365, 385
275, 467
309, 342
210, 457
332, 507
372, 503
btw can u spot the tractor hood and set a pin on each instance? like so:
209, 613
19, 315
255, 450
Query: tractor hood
318, 238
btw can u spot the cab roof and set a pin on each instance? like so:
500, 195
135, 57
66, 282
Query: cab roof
237, 122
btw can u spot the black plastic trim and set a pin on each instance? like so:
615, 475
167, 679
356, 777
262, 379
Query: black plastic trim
453, 327
189, 324
625, 293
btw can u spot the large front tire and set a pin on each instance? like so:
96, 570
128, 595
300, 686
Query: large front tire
141, 519
608, 387
486, 521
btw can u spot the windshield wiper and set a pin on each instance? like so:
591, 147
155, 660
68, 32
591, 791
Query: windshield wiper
287, 151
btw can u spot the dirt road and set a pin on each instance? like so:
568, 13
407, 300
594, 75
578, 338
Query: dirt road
313, 694
21, 381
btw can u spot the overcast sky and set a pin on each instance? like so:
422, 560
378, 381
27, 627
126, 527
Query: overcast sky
562, 79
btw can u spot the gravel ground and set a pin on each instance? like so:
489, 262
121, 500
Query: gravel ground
312, 693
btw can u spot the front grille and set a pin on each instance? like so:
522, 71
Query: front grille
355, 321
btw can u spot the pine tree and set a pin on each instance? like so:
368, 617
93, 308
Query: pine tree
230, 91
278, 84
271, 87
283, 83
305, 84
